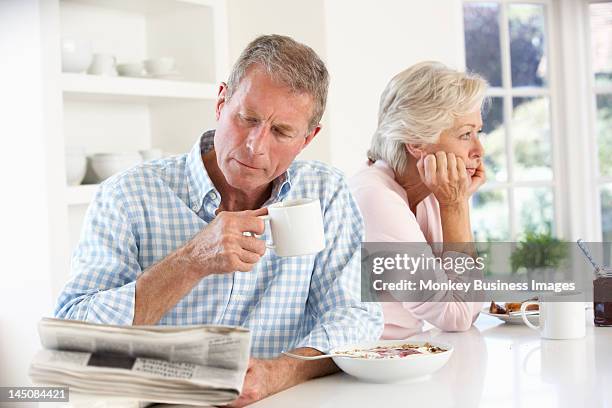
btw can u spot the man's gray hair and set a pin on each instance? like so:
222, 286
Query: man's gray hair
288, 62
418, 104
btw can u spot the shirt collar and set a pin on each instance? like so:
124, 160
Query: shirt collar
200, 184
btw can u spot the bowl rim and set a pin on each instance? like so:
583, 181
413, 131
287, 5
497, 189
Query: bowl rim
448, 349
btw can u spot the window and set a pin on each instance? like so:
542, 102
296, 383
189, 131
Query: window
507, 43
600, 19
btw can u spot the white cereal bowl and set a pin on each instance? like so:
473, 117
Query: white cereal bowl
386, 370
105, 165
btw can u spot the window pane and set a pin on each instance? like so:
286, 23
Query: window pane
606, 212
494, 140
604, 133
601, 41
490, 216
482, 50
534, 209
527, 48
531, 138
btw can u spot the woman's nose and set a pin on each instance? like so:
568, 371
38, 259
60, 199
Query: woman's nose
477, 148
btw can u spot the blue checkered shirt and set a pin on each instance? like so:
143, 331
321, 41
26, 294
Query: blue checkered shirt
141, 215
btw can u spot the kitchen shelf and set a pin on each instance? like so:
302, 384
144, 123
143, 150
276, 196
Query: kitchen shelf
83, 86
80, 195
146, 6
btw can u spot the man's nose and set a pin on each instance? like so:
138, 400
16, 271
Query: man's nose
258, 139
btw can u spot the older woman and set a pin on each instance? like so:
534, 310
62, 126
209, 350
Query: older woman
424, 163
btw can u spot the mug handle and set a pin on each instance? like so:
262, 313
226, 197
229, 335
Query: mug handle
524, 316
266, 218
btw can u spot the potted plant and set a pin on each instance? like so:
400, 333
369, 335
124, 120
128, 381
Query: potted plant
540, 254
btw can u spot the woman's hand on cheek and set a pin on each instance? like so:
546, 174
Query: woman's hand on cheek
445, 176
478, 179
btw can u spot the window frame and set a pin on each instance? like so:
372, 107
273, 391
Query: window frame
507, 93
593, 90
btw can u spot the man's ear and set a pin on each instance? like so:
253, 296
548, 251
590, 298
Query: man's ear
310, 136
220, 99
415, 150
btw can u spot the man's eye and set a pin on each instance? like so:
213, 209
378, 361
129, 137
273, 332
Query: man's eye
248, 119
280, 133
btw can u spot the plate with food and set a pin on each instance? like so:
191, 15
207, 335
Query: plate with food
387, 361
510, 312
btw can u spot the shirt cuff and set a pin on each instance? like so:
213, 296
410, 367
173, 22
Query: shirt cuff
113, 306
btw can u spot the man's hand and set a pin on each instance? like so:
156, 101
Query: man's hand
258, 382
446, 177
222, 247
268, 377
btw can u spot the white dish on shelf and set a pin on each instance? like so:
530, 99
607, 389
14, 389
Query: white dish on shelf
103, 64
76, 165
389, 370
134, 70
105, 165
76, 55
159, 66
514, 318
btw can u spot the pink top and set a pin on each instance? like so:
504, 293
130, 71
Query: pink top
388, 218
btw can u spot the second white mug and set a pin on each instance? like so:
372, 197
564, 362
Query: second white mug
559, 319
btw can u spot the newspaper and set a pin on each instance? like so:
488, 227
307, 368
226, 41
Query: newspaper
192, 365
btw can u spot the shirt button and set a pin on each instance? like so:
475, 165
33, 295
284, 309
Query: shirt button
213, 195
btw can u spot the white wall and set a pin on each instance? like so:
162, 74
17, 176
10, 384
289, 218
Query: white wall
25, 291
364, 44
301, 20
369, 42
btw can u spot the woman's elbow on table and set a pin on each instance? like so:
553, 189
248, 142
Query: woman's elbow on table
458, 316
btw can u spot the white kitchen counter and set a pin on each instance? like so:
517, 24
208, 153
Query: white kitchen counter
493, 365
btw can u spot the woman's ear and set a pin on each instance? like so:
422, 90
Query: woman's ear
415, 150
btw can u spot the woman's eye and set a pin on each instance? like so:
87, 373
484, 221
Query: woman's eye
466, 136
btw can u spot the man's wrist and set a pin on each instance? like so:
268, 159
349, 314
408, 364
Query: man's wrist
189, 264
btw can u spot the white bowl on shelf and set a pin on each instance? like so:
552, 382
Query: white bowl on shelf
76, 165
388, 370
135, 70
76, 55
160, 66
105, 165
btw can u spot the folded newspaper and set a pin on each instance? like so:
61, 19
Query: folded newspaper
192, 365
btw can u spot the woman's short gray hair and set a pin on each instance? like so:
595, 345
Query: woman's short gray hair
290, 63
418, 104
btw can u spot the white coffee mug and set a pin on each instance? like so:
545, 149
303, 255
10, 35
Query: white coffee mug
559, 319
296, 227
103, 64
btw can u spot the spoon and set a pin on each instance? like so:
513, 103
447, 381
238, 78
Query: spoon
586, 253
311, 358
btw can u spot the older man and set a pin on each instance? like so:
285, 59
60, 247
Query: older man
164, 242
